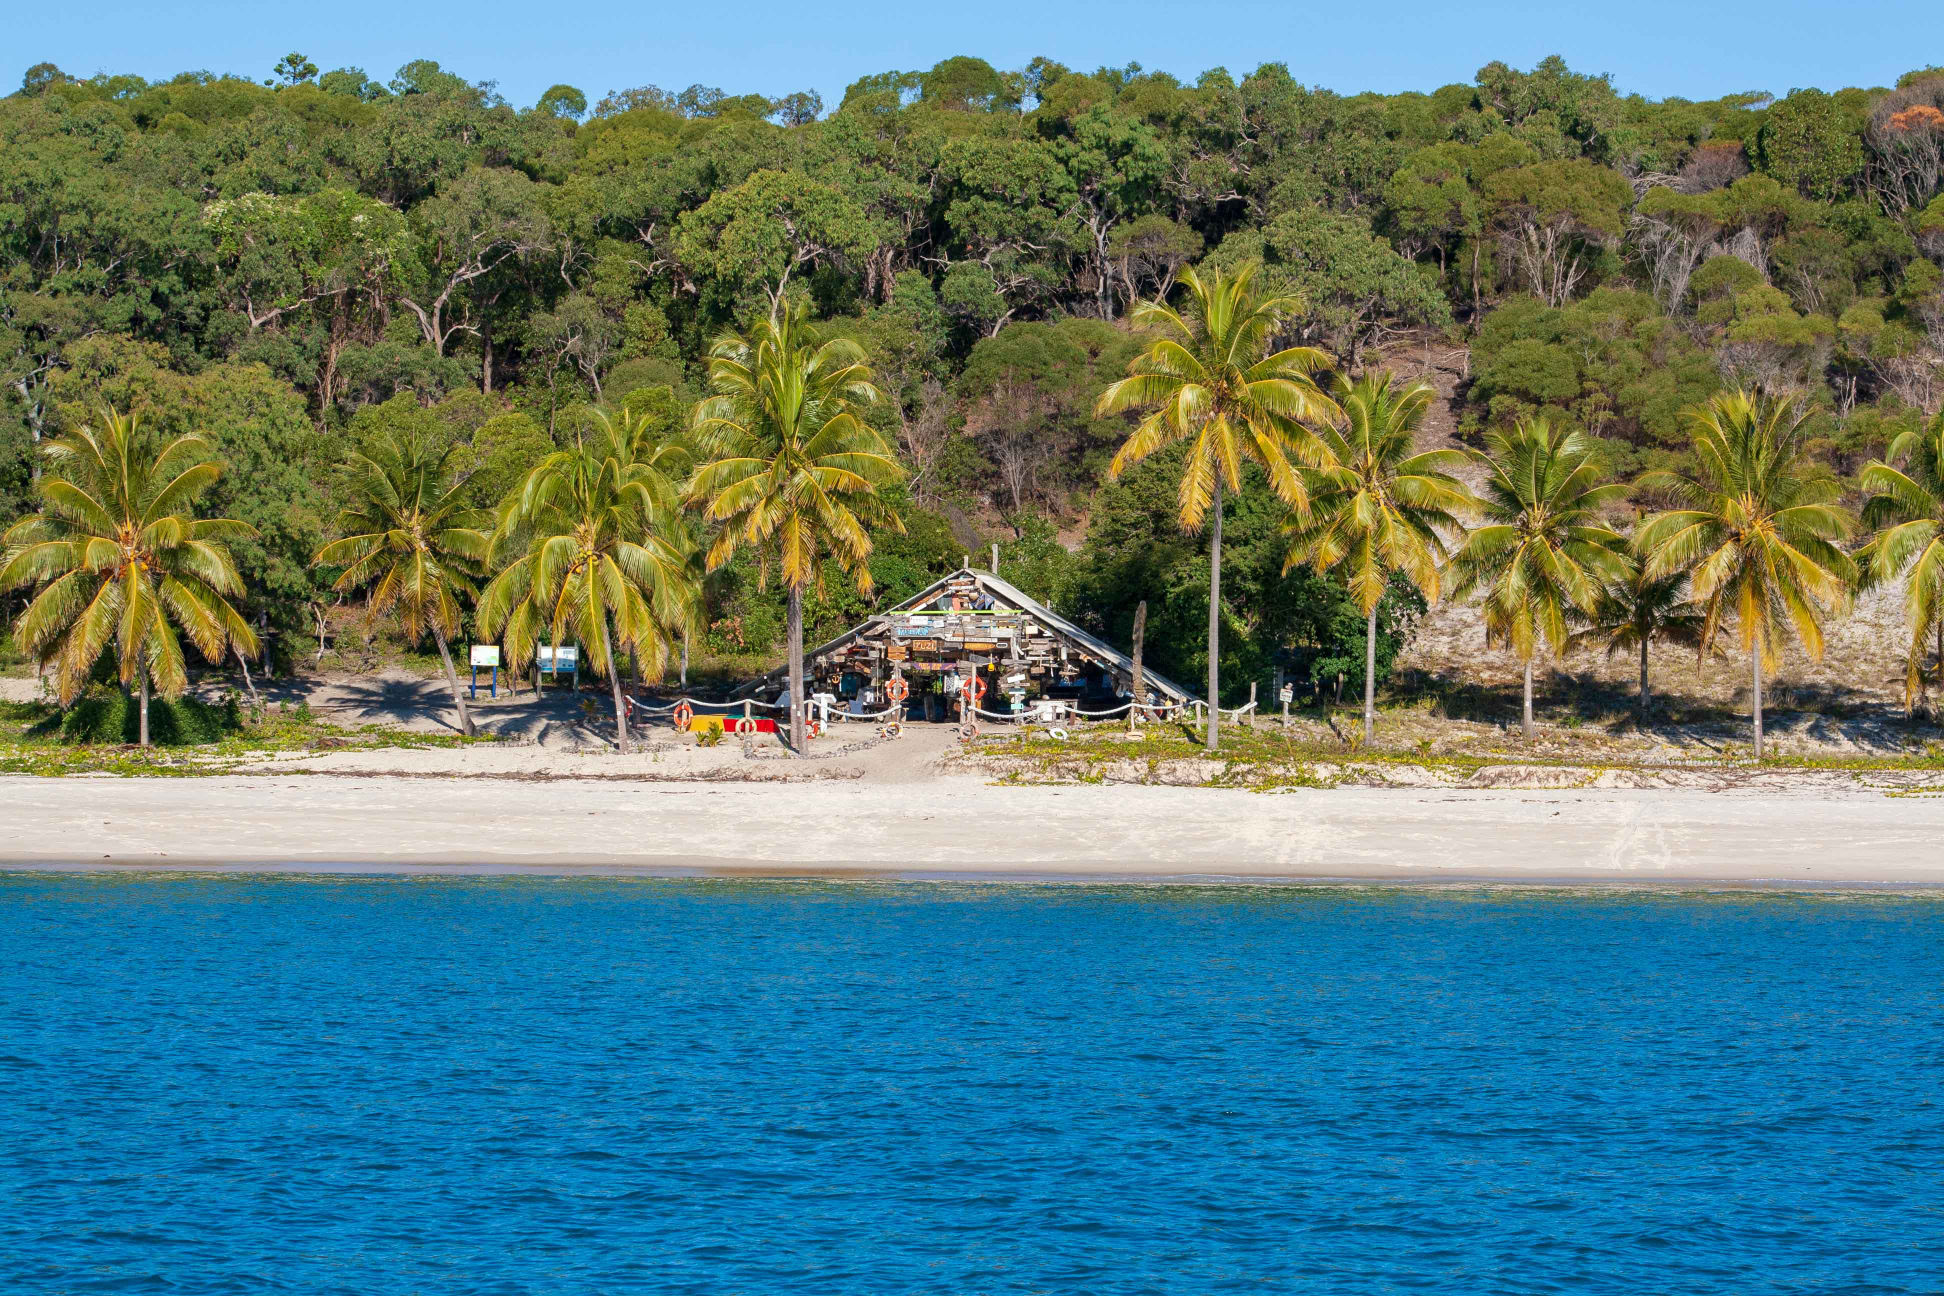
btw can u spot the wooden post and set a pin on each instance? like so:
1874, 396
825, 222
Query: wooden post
1252, 702
1140, 677
995, 557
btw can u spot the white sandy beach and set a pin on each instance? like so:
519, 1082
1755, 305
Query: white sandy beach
961, 826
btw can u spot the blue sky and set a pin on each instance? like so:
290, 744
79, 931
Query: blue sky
1696, 49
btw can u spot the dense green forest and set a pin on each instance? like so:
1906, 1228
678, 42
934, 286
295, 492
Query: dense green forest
296, 265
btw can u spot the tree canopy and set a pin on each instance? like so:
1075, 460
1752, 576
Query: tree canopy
278, 257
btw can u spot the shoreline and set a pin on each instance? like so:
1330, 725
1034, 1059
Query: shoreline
963, 829
721, 871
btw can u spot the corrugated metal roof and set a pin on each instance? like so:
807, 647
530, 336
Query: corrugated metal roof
1013, 595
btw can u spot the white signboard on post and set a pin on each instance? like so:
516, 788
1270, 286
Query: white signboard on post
564, 658
485, 655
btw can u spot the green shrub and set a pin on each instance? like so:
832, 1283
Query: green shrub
108, 717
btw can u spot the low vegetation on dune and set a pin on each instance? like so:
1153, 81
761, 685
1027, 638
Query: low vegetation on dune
1420, 748
99, 734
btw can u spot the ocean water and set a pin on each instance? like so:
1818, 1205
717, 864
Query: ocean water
431, 1085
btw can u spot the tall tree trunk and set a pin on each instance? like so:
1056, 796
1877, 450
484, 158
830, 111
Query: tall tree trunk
1138, 686
145, 696
1370, 675
327, 378
452, 682
685, 641
1526, 723
247, 682
1755, 707
614, 684
1646, 698
797, 739
1215, 623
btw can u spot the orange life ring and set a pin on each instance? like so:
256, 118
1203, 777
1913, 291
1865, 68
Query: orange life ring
811, 729
744, 725
974, 688
897, 690
684, 715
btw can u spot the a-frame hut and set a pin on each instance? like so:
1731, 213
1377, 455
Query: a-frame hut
973, 624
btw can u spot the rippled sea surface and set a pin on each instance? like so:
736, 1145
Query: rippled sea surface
432, 1085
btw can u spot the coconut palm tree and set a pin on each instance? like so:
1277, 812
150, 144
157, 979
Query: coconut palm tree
598, 555
411, 541
792, 469
1377, 508
121, 558
1211, 381
1636, 611
660, 461
1758, 531
1541, 555
1906, 511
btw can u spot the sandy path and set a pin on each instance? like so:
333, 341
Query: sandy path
961, 826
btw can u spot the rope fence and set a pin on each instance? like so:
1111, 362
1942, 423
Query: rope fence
1149, 710
696, 704
1201, 709
1153, 711
863, 716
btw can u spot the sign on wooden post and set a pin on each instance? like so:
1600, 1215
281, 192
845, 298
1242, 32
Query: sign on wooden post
487, 655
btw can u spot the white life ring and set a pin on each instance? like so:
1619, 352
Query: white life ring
1057, 734
745, 725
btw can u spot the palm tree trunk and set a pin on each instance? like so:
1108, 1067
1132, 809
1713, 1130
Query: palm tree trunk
144, 721
1370, 675
452, 682
796, 669
1646, 698
1215, 623
1527, 722
614, 683
1755, 673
